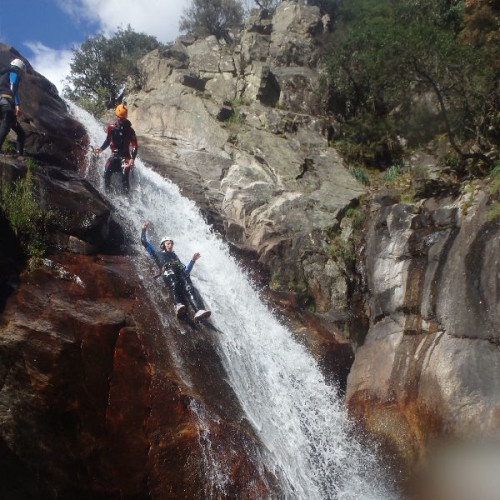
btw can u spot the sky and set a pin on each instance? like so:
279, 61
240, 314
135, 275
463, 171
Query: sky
46, 31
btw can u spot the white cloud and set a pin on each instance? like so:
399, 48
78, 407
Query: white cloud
52, 64
159, 18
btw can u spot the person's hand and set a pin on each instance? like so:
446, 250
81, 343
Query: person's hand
145, 225
18, 111
131, 162
196, 256
97, 151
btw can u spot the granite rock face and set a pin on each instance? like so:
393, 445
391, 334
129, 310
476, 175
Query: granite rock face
430, 364
237, 124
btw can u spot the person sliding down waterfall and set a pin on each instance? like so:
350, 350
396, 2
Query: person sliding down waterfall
121, 137
176, 275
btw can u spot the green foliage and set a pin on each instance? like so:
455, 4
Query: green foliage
325, 6
236, 120
360, 173
357, 215
392, 173
495, 179
268, 5
32, 165
385, 53
274, 282
369, 139
101, 66
342, 250
452, 160
494, 175
8, 147
27, 219
298, 285
241, 101
494, 211
211, 17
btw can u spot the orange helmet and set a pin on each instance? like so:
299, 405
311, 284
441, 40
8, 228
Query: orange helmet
121, 111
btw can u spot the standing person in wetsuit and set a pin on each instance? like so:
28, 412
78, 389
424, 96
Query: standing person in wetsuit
176, 275
121, 137
10, 109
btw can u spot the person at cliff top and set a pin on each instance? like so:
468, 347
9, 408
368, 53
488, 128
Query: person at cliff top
123, 142
10, 109
176, 275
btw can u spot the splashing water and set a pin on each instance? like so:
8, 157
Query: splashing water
307, 436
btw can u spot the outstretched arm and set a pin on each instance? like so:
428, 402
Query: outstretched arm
195, 257
106, 142
148, 245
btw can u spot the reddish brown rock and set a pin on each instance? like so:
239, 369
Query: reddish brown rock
92, 403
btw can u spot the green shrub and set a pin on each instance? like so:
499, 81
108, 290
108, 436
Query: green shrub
274, 282
494, 211
495, 176
8, 147
26, 218
391, 174
343, 250
360, 174
452, 160
357, 215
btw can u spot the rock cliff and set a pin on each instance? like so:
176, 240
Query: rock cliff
237, 124
92, 401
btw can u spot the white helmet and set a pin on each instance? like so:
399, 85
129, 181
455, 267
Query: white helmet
19, 64
166, 238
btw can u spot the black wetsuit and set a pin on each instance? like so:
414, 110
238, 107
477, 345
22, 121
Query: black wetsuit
121, 137
175, 275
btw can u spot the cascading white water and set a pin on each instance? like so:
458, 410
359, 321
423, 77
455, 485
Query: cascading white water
298, 417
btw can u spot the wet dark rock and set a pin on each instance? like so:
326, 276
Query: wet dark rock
91, 400
78, 212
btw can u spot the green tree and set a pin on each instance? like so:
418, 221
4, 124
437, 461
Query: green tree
266, 4
211, 17
325, 6
101, 66
386, 53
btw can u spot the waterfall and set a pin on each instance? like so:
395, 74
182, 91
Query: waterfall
308, 440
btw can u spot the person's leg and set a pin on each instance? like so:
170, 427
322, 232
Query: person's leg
6, 115
21, 136
194, 298
172, 282
112, 165
125, 179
